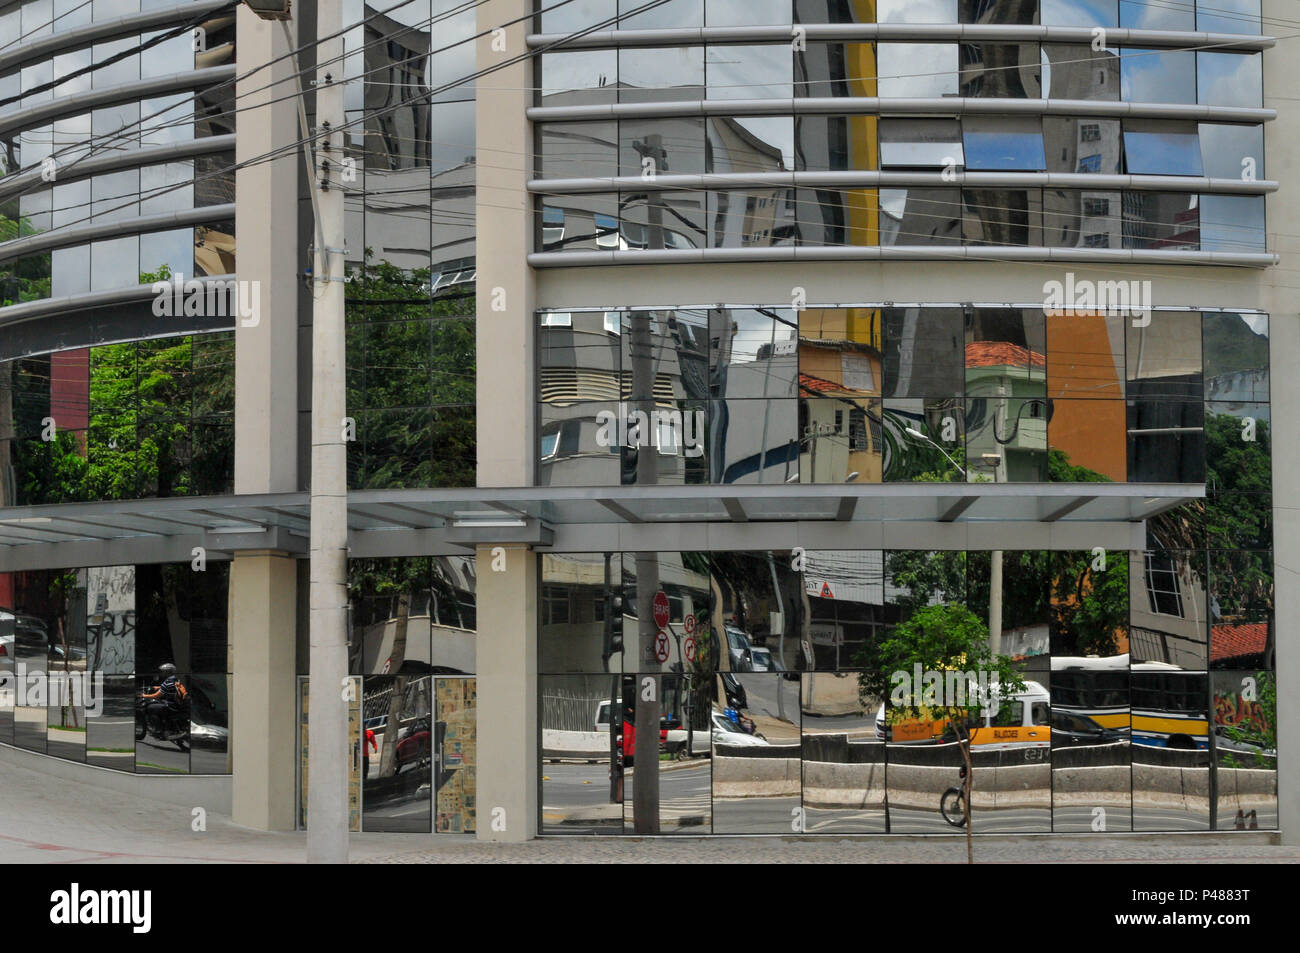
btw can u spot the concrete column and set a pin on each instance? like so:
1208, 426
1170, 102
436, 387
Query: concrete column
507, 439
266, 217
507, 694
263, 585
262, 711
1282, 162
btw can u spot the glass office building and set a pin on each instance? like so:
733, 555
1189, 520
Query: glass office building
696, 350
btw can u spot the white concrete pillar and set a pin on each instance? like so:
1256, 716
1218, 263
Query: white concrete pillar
507, 441
263, 585
263, 712
1282, 163
507, 694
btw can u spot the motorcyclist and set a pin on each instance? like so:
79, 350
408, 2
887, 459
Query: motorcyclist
167, 698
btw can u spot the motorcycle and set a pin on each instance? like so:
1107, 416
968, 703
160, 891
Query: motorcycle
175, 727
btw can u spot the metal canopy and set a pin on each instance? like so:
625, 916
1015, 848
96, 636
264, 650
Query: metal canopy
428, 520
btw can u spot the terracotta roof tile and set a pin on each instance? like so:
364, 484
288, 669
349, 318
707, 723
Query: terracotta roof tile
1233, 640
1001, 353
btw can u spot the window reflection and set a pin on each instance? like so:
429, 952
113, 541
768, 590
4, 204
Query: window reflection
1079, 13
917, 70
1002, 217
1000, 70
1158, 76
656, 75
753, 441
924, 352
1073, 71
1082, 219
1010, 143
1161, 220
1233, 223
1228, 16
920, 216
921, 144
1232, 152
835, 69
923, 440
916, 11
1229, 79
1236, 356
1144, 15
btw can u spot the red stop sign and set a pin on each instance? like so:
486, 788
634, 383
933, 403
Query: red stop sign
661, 608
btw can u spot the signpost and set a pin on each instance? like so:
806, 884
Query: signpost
661, 609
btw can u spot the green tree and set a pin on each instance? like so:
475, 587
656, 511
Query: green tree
938, 639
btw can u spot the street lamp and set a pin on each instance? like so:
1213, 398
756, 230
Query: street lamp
911, 432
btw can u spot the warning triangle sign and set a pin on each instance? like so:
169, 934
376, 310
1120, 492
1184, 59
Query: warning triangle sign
826, 591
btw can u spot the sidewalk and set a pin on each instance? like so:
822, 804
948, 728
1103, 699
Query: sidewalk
46, 820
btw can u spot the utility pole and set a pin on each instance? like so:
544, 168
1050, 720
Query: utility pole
649, 684
327, 797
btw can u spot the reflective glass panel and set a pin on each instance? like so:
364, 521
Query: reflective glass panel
921, 143
916, 11
1164, 355
923, 440
834, 69
920, 216
1001, 70
1006, 440
581, 613
1087, 441
1144, 15
753, 441
1162, 220
753, 353
1082, 219
1228, 16
757, 770
924, 352
571, 150
1236, 356
1232, 152
1166, 440
663, 74
1077, 71
1158, 76
1245, 743
1002, 216
840, 438
917, 70
1006, 143
1229, 79
582, 782
1085, 352
1091, 753
397, 753
1233, 223
1171, 761
1079, 13
578, 78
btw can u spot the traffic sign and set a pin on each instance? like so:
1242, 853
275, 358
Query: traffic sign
661, 646
689, 623
690, 649
661, 608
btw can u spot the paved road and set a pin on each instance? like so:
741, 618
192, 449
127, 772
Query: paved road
52, 820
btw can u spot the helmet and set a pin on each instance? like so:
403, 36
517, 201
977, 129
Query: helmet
167, 668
